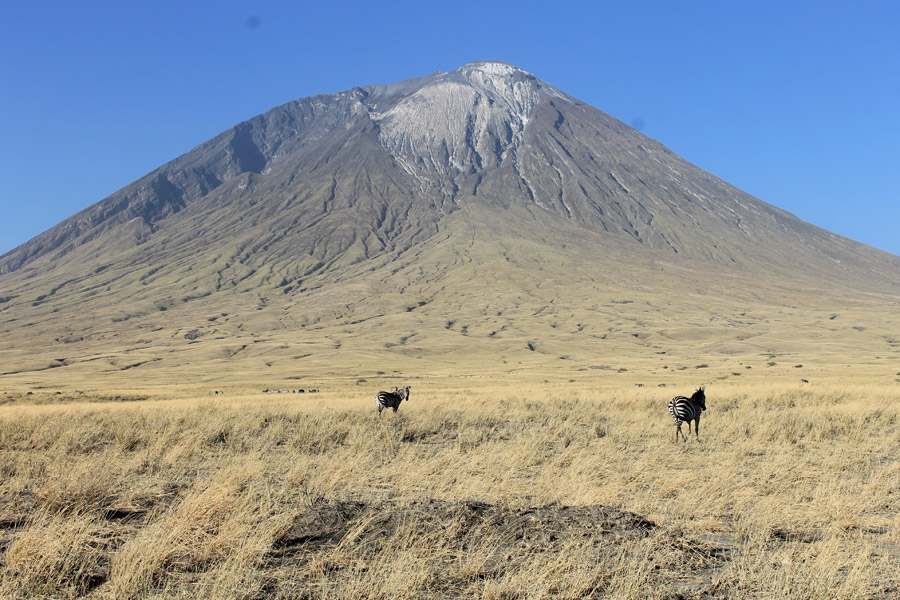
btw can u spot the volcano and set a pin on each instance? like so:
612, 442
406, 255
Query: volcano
466, 221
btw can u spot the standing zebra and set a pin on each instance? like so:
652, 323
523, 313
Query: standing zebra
688, 409
391, 399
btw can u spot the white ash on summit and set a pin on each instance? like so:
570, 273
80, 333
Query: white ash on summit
466, 119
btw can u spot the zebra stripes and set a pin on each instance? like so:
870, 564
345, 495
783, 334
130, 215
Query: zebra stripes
391, 399
687, 409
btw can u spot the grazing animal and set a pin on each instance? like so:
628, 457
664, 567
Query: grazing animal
688, 409
391, 399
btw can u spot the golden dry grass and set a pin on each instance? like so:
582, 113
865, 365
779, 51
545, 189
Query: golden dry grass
479, 488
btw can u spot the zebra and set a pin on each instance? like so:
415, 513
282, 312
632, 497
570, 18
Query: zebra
391, 399
688, 409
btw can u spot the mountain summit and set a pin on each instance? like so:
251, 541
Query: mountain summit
464, 121
475, 212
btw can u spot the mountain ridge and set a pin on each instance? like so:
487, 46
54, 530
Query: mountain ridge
260, 144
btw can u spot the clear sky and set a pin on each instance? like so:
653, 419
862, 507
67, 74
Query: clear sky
797, 103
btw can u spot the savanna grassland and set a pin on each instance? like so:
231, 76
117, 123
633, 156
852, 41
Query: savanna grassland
516, 487
545, 282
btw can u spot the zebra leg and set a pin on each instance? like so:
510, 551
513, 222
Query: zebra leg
696, 428
678, 430
395, 408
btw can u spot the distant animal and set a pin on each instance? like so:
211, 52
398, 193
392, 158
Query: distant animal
391, 399
688, 409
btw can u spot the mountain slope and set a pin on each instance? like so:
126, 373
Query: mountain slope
462, 215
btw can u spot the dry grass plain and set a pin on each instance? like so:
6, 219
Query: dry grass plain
527, 464
506, 486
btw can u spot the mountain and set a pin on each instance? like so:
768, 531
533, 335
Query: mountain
463, 220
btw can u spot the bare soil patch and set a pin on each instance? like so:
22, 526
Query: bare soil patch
473, 549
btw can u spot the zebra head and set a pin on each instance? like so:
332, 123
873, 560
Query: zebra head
404, 393
699, 398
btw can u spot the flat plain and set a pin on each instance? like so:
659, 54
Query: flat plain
491, 486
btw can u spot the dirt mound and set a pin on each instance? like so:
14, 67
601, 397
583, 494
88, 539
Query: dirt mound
330, 522
445, 549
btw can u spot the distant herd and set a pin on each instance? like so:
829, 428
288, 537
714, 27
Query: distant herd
268, 391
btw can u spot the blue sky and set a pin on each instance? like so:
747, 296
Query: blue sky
797, 103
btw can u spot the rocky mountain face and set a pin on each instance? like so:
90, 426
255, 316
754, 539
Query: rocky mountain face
478, 191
